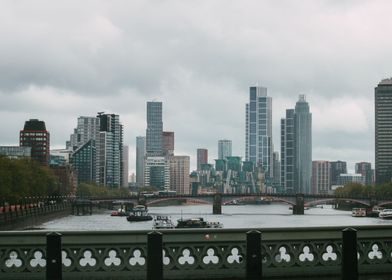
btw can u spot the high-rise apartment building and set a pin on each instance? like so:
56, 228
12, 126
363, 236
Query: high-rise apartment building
35, 135
287, 152
224, 149
383, 135
154, 131
276, 168
179, 174
109, 151
101, 158
365, 168
140, 155
296, 149
337, 168
202, 158
303, 145
168, 143
87, 129
258, 135
321, 177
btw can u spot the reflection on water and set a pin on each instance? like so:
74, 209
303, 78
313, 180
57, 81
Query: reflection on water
238, 216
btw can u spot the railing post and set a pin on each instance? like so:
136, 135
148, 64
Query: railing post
154, 256
253, 255
53, 256
349, 254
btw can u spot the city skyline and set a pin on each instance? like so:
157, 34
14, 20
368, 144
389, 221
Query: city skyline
110, 63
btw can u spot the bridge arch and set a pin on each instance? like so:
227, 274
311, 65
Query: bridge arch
320, 201
191, 199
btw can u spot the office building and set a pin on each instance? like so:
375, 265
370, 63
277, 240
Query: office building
321, 177
168, 143
337, 168
140, 155
157, 172
15, 152
87, 129
224, 149
179, 174
83, 160
258, 136
202, 158
35, 135
154, 131
344, 179
365, 169
383, 128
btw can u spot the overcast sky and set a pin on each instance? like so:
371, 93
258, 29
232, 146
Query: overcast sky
63, 59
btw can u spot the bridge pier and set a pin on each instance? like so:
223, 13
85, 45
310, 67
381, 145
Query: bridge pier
299, 207
217, 204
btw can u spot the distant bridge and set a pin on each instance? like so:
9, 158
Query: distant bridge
297, 201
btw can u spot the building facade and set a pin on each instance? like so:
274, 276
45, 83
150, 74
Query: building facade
168, 143
15, 152
365, 169
321, 176
224, 148
383, 128
154, 131
303, 145
87, 128
35, 135
258, 134
140, 155
125, 166
83, 160
337, 168
179, 174
344, 179
202, 158
157, 172
287, 152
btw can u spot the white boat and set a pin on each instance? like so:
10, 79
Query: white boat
386, 214
163, 222
358, 212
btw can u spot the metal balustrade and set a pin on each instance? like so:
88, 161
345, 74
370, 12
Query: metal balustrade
196, 254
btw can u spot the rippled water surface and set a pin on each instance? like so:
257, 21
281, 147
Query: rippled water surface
239, 216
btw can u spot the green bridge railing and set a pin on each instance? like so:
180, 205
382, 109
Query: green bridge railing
196, 254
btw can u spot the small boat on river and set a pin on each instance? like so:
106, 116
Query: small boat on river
358, 212
386, 214
119, 213
138, 214
163, 222
197, 223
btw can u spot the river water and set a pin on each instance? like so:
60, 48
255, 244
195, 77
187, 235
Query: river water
233, 216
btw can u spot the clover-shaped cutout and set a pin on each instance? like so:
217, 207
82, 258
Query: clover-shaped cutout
235, 256
210, 258
87, 259
165, 259
112, 259
13, 260
375, 253
66, 261
329, 254
38, 260
137, 258
306, 255
186, 257
282, 256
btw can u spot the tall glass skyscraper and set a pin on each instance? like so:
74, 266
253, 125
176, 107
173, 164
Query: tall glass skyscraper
154, 129
296, 149
258, 135
224, 149
383, 141
303, 145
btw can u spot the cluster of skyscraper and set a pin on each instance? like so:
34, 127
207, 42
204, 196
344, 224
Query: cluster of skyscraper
97, 151
156, 164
